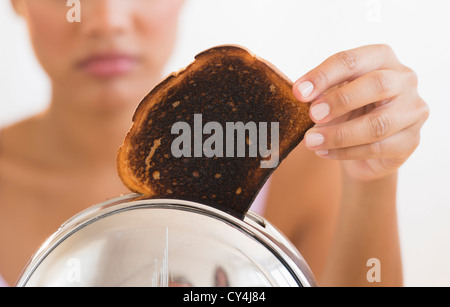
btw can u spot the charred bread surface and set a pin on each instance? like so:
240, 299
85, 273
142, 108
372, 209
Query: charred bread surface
223, 84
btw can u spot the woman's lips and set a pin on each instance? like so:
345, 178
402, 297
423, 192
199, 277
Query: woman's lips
108, 65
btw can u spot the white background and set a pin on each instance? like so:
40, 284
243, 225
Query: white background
297, 35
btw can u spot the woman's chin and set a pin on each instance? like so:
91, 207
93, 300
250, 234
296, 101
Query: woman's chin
115, 95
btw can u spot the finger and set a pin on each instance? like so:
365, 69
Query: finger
397, 147
375, 126
380, 85
343, 66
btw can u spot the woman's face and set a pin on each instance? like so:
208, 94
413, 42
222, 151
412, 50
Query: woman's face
115, 53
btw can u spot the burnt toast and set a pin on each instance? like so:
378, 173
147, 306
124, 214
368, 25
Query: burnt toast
225, 84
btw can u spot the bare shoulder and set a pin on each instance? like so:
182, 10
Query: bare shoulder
16, 150
15, 138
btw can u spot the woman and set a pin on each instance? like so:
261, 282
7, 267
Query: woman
334, 197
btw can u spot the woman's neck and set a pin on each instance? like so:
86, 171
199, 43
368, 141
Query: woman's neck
83, 135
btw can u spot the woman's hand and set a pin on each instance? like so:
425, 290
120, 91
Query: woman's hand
367, 110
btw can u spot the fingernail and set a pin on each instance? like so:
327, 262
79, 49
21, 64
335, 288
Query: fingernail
320, 111
314, 140
306, 88
322, 153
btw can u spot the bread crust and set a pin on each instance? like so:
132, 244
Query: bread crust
258, 92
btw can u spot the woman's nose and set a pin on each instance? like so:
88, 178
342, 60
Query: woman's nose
106, 17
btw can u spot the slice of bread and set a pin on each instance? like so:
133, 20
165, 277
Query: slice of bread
225, 84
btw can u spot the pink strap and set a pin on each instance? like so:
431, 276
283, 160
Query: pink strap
3, 283
259, 205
